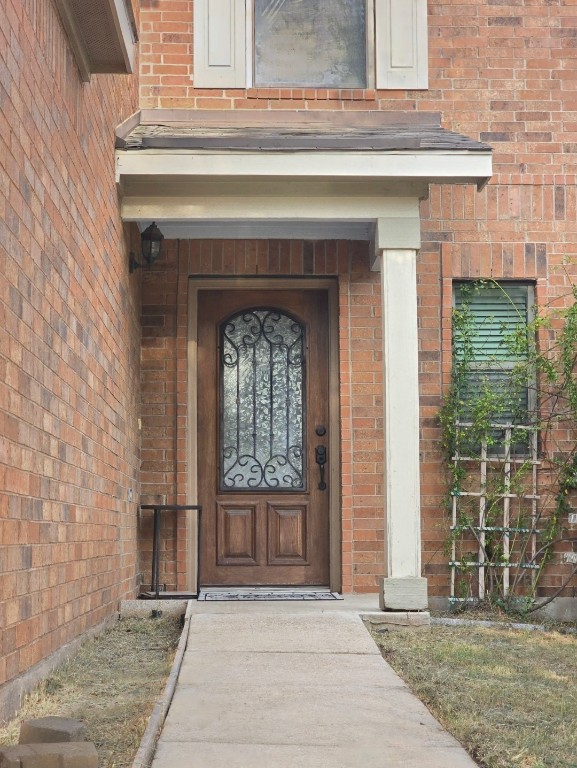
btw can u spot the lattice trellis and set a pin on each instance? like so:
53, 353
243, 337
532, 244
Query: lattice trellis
494, 525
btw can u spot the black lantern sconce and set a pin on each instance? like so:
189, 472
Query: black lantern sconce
150, 247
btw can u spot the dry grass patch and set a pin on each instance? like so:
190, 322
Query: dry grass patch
507, 695
111, 684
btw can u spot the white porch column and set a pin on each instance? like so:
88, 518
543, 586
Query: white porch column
403, 587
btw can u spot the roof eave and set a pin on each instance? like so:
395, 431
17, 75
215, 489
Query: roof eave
434, 166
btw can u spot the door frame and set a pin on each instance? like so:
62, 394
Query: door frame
330, 285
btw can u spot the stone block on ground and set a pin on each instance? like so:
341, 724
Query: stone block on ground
404, 594
79, 754
52, 729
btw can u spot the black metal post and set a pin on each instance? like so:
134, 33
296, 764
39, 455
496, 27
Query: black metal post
199, 549
156, 552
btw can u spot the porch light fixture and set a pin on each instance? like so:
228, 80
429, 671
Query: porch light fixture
150, 247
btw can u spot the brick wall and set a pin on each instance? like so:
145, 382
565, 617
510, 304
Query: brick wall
503, 71
69, 345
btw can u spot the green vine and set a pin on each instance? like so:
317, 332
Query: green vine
505, 413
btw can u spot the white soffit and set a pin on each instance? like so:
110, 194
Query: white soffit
269, 229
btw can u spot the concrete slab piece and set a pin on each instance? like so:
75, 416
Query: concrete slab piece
307, 716
242, 669
358, 604
302, 633
283, 756
399, 619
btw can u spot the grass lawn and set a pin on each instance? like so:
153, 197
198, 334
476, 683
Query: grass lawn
111, 684
509, 696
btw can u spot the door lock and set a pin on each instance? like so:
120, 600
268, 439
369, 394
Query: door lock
321, 460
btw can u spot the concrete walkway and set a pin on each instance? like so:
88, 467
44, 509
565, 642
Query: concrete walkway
295, 685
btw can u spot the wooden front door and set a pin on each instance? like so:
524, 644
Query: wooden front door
263, 419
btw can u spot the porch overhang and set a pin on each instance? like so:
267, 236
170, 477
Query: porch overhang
241, 175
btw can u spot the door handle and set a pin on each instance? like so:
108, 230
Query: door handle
321, 460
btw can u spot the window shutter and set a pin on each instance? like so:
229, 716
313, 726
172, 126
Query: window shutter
401, 44
219, 43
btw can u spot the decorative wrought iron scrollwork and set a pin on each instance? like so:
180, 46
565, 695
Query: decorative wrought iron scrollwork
262, 401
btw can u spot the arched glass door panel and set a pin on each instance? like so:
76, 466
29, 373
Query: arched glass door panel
262, 375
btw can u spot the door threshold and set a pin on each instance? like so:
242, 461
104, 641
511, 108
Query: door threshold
264, 594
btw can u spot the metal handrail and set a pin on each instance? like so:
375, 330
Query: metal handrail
157, 509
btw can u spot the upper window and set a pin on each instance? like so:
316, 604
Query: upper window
310, 43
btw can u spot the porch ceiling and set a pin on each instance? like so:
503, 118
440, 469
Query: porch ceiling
315, 176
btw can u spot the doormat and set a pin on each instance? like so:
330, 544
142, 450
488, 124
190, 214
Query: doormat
250, 595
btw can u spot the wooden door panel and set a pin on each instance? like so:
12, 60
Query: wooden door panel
270, 534
236, 537
287, 534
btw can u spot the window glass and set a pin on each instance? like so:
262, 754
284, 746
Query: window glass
315, 43
490, 356
262, 370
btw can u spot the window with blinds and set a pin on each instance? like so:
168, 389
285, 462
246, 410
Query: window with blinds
491, 353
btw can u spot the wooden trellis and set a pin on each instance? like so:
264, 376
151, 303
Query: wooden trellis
469, 547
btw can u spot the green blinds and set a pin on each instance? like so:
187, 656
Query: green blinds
491, 350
